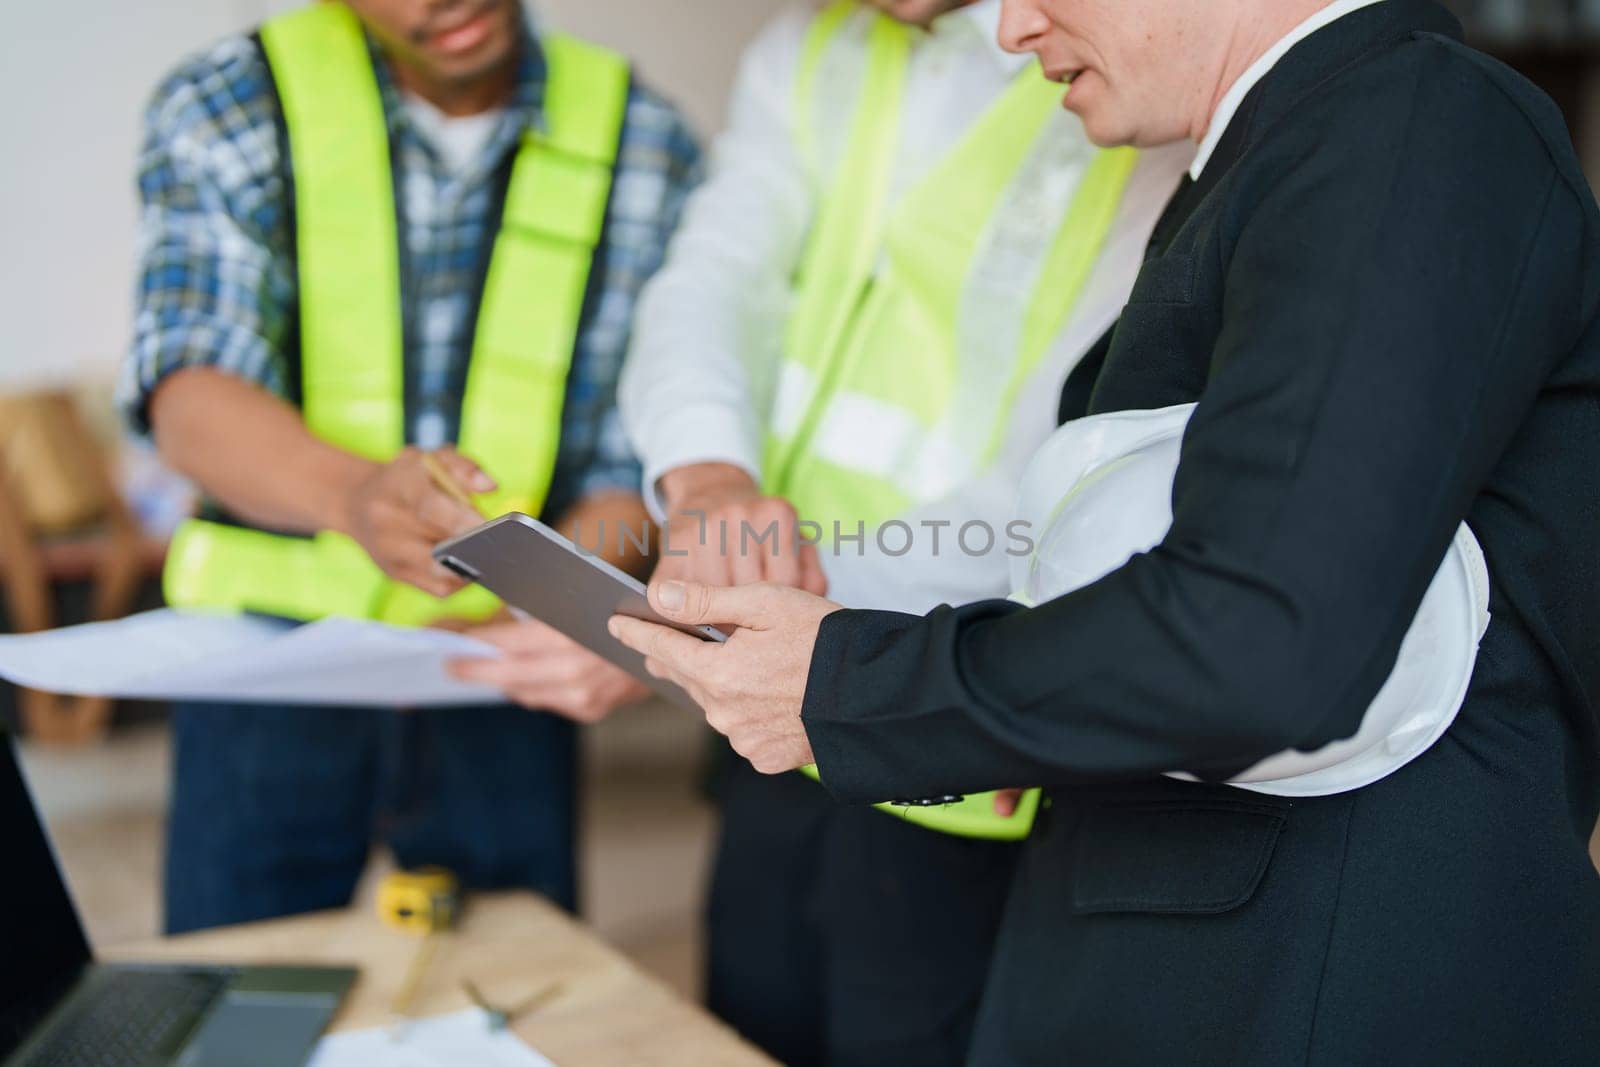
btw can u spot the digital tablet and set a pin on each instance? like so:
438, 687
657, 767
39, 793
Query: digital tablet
533, 568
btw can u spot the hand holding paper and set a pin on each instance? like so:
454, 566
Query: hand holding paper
544, 670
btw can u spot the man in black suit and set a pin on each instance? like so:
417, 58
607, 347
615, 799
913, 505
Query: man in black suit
1381, 289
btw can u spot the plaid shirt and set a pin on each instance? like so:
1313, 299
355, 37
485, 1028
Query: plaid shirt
217, 282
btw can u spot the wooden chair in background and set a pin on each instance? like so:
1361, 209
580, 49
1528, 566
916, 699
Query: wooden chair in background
62, 520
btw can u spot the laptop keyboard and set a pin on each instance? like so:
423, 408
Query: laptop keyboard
126, 1018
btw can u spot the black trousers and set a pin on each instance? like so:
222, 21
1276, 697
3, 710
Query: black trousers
842, 936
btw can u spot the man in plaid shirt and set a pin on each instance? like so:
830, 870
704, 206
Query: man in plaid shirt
274, 809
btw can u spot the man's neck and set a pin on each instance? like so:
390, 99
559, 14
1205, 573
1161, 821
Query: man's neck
1257, 29
476, 96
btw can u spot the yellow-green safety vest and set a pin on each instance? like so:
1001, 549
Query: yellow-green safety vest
888, 396
351, 344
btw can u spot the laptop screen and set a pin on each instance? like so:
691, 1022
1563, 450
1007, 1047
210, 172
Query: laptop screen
41, 942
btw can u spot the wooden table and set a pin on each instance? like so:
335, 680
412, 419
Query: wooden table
510, 945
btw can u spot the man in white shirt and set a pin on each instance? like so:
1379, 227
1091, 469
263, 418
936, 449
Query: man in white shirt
930, 180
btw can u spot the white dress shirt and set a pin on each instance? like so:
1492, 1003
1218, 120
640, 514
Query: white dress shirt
1258, 70
708, 338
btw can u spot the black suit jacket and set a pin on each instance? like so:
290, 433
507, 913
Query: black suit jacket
1383, 294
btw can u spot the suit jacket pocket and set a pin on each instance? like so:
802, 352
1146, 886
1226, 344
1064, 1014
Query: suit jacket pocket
1167, 279
1172, 857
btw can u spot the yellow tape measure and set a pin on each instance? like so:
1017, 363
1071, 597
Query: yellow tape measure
423, 902
420, 902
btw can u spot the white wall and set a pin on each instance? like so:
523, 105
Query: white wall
75, 76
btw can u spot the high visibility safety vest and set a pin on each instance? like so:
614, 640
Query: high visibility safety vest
351, 332
904, 358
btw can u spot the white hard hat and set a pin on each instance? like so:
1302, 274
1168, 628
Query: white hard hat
1100, 491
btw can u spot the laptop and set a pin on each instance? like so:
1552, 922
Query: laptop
58, 1006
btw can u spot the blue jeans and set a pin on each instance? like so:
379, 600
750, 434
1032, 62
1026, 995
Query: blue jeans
274, 809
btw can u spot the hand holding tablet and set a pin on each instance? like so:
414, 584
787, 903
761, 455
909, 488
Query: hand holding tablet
538, 571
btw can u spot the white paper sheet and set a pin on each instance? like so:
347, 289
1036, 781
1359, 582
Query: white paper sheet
457, 1040
169, 655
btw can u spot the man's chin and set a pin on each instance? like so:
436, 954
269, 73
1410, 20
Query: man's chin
464, 69
921, 14
1107, 134
1101, 124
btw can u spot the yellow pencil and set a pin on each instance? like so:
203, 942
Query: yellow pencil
442, 479
401, 1007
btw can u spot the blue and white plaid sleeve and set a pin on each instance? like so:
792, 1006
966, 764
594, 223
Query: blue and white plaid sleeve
215, 271
657, 167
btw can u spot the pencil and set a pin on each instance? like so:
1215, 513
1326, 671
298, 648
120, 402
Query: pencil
442, 479
400, 1007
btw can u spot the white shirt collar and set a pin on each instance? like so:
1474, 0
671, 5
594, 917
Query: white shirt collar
1259, 69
